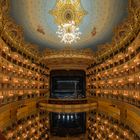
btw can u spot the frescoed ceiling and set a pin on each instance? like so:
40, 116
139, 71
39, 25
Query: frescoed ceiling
96, 26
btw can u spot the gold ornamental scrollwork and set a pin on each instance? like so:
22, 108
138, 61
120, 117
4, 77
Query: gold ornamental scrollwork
13, 34
68, 10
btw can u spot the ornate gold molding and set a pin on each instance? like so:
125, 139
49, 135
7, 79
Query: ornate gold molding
68, 52
68, 58
124, 32
84, 107
13, 34
68, 10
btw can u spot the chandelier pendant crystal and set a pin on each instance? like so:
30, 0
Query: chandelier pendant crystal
68, 32
68, 15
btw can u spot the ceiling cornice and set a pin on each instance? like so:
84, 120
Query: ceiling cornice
13, 34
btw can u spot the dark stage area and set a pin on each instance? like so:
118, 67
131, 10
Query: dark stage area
67, 84
67, 124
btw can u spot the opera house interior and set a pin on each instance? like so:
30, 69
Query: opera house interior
69, 69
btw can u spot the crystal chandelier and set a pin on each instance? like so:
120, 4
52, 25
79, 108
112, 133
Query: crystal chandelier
68, 32
68, 16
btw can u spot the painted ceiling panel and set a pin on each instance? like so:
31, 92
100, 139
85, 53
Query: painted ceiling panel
96, 27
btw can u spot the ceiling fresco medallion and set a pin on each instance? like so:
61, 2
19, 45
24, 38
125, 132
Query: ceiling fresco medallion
68, 15
68, 10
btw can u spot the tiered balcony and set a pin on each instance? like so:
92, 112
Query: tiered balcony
32, 127
20, 78
118, 77
102, 126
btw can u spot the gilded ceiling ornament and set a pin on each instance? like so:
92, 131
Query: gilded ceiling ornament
68, 15
68, 10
